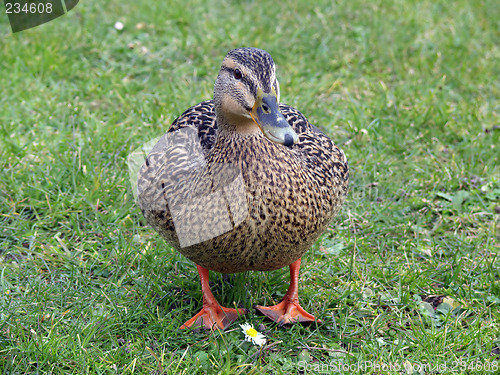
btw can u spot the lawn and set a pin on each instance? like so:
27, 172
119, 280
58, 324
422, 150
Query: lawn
407, 278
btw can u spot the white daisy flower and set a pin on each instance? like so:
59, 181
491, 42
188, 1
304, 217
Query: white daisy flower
119, 26
252, 335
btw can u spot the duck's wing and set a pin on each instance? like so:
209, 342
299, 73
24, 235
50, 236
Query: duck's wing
201, 117
326, 162
173, 174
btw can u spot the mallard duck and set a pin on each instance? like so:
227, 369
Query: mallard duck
243, 183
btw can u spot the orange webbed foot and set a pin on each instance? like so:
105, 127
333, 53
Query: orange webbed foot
287, 312
289, 309
211, 317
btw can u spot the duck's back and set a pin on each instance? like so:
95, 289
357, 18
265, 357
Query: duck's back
241, 203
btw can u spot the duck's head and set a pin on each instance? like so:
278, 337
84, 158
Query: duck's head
247, 94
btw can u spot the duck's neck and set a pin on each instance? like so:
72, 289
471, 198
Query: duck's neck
240, 127
235, 141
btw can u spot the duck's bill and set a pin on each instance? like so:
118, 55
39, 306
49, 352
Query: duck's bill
271, 121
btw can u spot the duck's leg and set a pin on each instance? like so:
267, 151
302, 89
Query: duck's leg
289, 310
211, 313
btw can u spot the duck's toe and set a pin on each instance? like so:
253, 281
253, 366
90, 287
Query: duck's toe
211, 317
287, 312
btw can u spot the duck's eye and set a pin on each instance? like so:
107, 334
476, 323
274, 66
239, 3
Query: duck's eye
237, 74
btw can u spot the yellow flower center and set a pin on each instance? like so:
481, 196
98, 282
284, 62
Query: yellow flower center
252, 332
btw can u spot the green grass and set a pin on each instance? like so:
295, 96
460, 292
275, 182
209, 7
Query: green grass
410, 90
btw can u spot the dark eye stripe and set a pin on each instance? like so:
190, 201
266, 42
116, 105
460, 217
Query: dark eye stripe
244, 79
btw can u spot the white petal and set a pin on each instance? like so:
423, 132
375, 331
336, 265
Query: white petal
245, 327
259, 340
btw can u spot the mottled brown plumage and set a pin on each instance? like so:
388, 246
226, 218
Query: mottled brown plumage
282, 198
